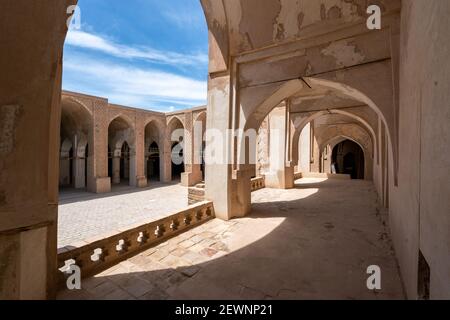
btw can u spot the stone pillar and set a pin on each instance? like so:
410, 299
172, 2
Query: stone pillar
192, 173
116, 170
218, 181
140, 161
281, 170
326, 159
241, 191
305, 149
98, 179
165, 160
262, 150
79, 173
130, 169
315, 151
134, 170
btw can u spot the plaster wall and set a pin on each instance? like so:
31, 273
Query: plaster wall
420, 218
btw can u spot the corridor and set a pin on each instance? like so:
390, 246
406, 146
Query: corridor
311, 242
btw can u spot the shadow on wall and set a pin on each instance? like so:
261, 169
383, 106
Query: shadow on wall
316, 247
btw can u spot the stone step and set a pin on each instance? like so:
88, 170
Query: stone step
196, 191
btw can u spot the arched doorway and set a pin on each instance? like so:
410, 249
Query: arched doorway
348, 158
153, 162
152, 151
75, 133
121, 158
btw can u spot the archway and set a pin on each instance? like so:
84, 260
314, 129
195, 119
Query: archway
348, 158
66, 164
152, 151
364, 116
257, 101
153, 162
121, 156
75, 133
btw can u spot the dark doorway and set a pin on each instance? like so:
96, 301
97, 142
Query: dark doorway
348, 158
125, 162
177, 169
153, 162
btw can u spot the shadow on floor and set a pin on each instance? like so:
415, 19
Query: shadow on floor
316, 247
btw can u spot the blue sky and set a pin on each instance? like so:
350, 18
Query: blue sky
151, 54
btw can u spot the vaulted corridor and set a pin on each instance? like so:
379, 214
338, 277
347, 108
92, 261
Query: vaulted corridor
314, 241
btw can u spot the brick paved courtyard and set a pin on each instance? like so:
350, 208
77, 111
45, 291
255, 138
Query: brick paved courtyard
311, 242
83, 215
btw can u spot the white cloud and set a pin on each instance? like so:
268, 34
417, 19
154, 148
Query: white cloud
190, 18
82, 39
132, 86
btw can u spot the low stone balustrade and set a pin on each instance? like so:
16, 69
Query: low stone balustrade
258, 183
94, 256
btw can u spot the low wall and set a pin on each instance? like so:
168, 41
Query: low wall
109, 250
258, 183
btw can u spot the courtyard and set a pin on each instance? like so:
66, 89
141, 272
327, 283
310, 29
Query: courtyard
83, 215
314, 241
232, 149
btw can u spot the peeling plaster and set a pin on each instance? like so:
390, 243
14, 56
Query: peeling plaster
345, 53
288, 20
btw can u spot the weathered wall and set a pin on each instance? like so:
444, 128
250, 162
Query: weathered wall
420, 206
32, 39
